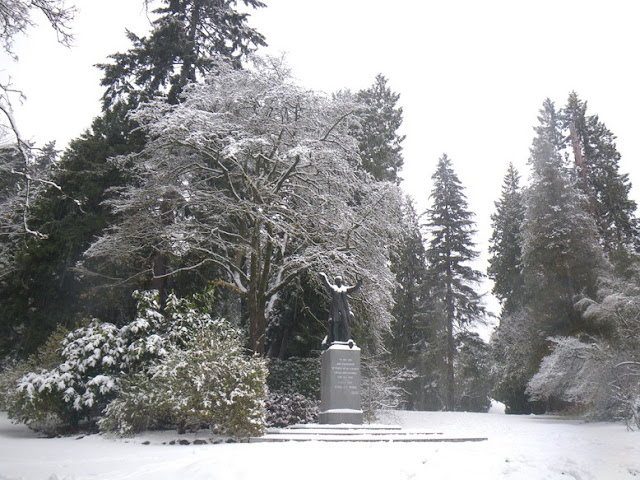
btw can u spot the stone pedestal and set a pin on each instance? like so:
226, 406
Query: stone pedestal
340, 385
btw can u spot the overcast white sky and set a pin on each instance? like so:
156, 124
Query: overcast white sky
472, 74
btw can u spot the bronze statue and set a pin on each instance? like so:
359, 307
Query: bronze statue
340, 315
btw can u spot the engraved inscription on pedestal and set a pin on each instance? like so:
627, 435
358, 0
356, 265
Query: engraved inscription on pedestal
340, 385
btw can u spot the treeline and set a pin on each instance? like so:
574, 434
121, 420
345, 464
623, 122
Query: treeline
211, 174
564, 262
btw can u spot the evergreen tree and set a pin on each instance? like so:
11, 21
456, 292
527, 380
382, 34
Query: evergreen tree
409, 267
505, 267
560, 254
561, 260
518, 346
412, 340
379, 142
187, 39
596, 160
449, 252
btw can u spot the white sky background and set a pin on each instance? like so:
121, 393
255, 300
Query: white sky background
472, 74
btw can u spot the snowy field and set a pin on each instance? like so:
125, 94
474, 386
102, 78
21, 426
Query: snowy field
518, 447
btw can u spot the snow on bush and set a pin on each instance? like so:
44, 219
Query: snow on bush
571, 373
101, 359
211, 382
593, 376
291, 409
47, 357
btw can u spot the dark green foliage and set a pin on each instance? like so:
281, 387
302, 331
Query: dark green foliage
450, 250
187, 39
417, 337
295, 376
596, 160
379, 142
473, 373
505, 268
410, 296
561, 257
518, 347
43, 291
290, 409
299, 320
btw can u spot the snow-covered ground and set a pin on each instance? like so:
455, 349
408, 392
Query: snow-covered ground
518, 447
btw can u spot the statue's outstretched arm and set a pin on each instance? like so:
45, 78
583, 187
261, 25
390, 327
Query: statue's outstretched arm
325, 280
356, 287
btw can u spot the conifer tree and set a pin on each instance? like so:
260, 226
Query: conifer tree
378, 138
561, 260
596, 160
449, 252
187, 39
560, 252
505, 267
409, 267
411, 335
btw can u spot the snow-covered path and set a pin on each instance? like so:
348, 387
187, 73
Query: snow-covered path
526, 447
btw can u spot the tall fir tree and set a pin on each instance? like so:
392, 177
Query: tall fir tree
561, 259
188, 37
413, 343
596, 159
449, 252
378, 138
505, 245
409, 267
560, 255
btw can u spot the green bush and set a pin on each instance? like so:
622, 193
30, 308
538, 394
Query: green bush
174, 366
291, 409
295, 375
47, 357
211, 382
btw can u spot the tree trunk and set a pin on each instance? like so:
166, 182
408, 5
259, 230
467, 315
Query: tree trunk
451, 347
160, 266
451, 350
257, 325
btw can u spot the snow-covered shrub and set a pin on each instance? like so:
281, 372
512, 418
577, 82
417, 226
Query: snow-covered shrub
47, 357
96, 356
592, 376
291, 409
210, 382
615, 313
295, 376
573, 372
138, 407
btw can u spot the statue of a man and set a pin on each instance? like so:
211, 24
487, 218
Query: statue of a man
340, 315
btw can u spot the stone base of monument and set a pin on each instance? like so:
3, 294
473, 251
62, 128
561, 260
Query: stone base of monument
340, 395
